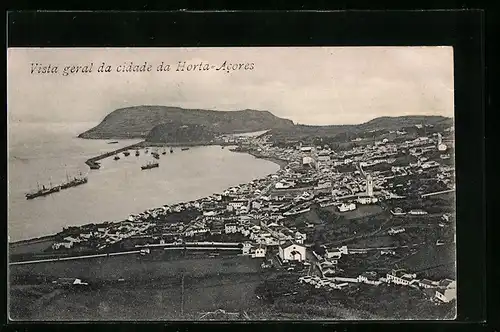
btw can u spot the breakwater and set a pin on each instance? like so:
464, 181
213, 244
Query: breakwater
92, 162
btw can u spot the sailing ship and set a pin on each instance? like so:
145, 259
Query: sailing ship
150, 165
43, 191
76, 181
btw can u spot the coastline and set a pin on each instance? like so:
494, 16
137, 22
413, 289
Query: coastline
51, 237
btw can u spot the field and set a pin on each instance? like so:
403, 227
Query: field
433, 261
130, 301
36, 246
362, 211
135, 267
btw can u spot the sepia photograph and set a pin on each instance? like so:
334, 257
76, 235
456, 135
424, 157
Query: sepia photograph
231, 184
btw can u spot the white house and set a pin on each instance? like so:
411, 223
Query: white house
347, 207
307, 160
300, 237
417, 212
259, 252
290, 251
256, 205
230, 228
367, 200
395, 230
425, 283
400, 277
247, 246
447, 290
236, 204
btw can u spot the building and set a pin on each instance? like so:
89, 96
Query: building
398, 212
367, 200
236, 204
417, 212
425, 283
400, 277
347, 207
369, 186
395, 230
246, 248
307, 160
259, 252
290, 251
447, 290
230, 228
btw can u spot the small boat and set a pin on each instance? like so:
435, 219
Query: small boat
171, 150
164, 152
184, 149
146, 151
150, 165
116, 157
114, 142
126, 153
137, 153
155, 155
95, 165
222, 147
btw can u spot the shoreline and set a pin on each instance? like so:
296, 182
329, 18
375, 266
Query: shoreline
280, 162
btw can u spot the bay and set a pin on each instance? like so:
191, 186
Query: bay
47, 153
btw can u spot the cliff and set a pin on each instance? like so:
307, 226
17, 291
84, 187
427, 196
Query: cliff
138, 121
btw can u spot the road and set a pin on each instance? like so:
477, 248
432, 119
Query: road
75, 257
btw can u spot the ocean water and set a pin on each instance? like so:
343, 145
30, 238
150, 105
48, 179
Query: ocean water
41, 153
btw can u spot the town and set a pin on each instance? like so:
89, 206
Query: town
347, 218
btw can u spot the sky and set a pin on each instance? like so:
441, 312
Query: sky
308, 85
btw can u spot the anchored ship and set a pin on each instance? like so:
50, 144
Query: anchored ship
171, 150
150, 165
76, 181
137, 153
43, 192
184, 149
126, 153
155, 155
164, 152
117, 157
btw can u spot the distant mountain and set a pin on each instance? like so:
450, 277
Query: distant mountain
138, 121
382, 123
180, 133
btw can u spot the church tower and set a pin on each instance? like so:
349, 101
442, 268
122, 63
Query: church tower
369, 185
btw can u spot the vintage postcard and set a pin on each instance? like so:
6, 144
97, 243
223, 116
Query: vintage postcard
172, 184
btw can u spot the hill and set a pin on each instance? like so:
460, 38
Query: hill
138, 121
180, 133
378, 124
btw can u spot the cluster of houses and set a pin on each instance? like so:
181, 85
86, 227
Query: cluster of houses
101, 236
440, 291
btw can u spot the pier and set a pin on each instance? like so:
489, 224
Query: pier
92, 162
